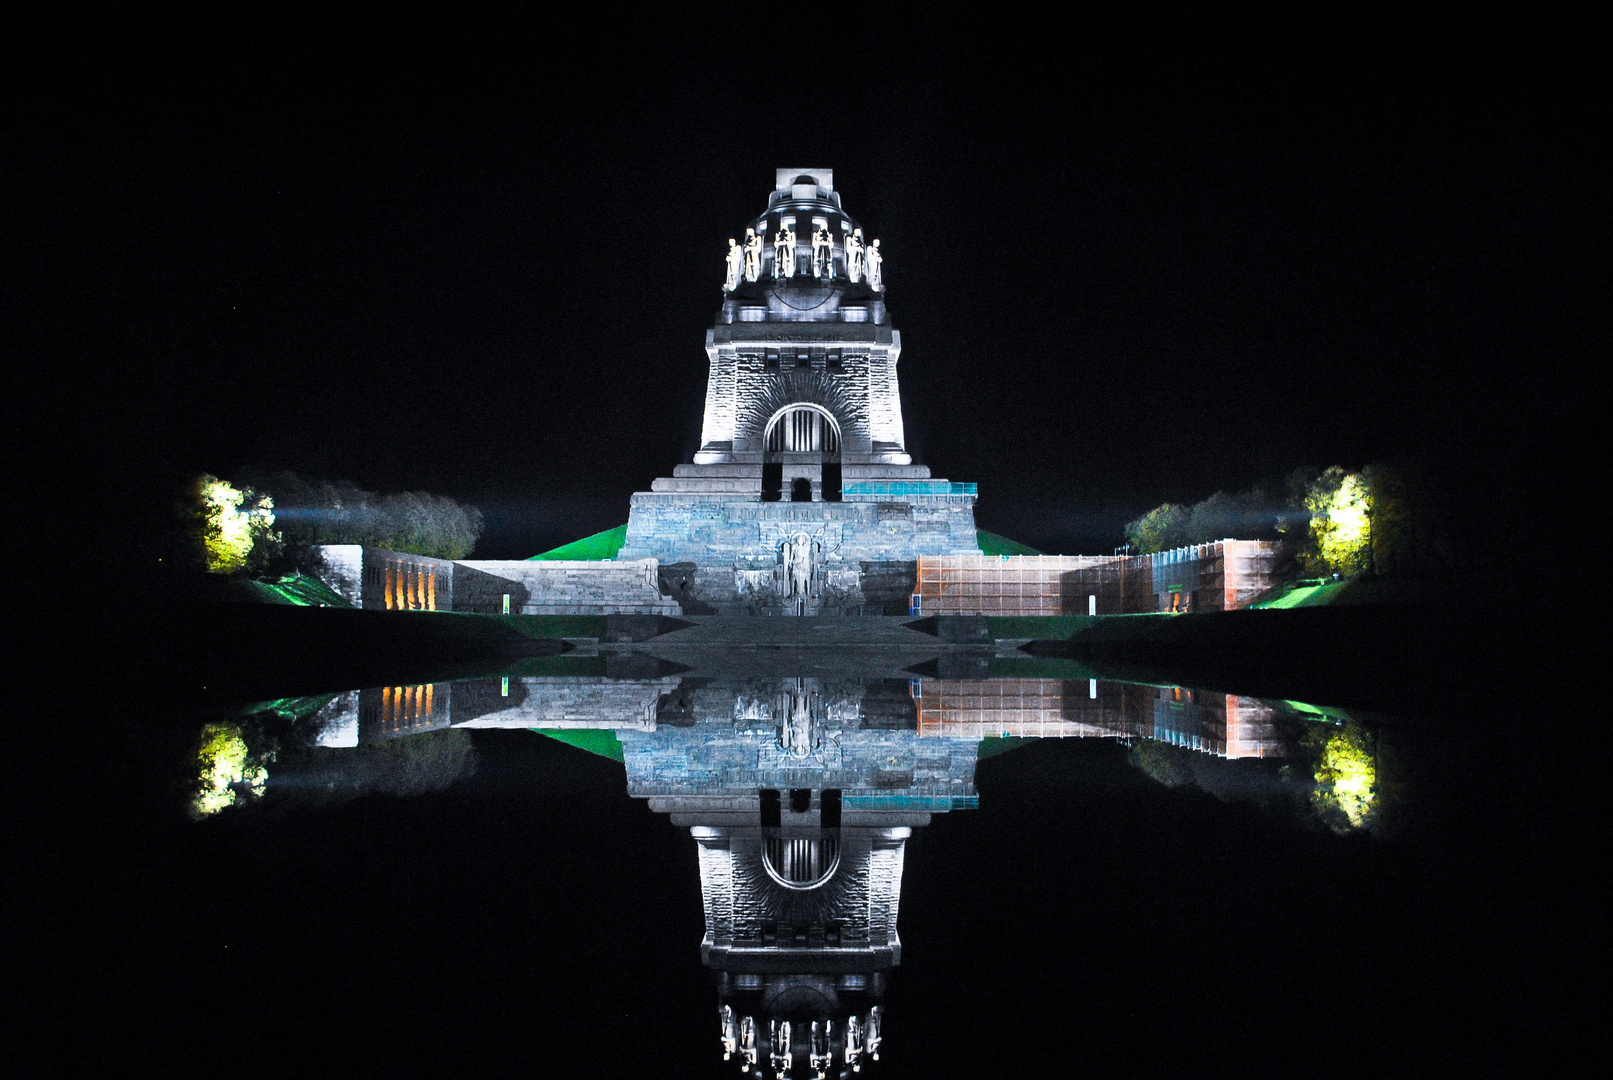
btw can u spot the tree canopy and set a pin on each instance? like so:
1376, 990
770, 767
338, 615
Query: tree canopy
237, 525
1249, 515
1384, 518
340, 512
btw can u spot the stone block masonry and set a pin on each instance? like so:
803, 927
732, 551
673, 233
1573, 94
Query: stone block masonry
567, 587
377, 579
1220, 576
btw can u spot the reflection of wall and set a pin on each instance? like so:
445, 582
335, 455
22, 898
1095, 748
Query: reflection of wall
559, 703
395, 711
847, 925
571, 703
1221, 724
729, 743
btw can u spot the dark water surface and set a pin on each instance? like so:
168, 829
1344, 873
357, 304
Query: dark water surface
1147, 879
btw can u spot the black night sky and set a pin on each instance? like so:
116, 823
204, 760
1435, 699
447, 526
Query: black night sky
1130, 263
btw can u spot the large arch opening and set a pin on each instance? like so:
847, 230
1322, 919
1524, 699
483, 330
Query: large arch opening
801, 429
801, 865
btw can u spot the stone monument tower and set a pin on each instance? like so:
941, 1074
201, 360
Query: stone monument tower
802, 498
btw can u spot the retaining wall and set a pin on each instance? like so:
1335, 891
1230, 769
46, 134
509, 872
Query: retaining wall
1220, 576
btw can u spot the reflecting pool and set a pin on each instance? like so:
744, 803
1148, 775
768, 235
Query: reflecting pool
893, 856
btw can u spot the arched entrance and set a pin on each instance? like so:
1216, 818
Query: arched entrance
801, 434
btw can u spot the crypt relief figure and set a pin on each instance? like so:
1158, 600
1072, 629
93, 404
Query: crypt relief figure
854, 256
823, 254
753, 255
797, 553
875, 278
784, 253
795, 733
735, 266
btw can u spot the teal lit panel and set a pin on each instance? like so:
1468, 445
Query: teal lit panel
899, 488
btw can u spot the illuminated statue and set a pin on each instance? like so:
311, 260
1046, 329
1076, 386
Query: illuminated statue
874, 259
821, 1054
747, 1041
854, 1043
753, 255
823, 254
784, 252
798, 565
872, 1033
854, 256
795, 734
736, 266
779, 1055
730, 1037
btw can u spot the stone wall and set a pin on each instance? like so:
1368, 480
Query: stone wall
382, 580
699, 529
583, 587
1221, 576
1224, 725
729, 552
378, 579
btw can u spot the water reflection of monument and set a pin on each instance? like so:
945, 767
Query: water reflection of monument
800, 793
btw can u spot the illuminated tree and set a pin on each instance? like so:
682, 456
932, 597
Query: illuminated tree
1340, 504
1162, 528
227, 771
238, 525
323, 512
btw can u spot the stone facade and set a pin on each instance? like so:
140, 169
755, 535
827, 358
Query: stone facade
802, 434
378, 579
1221, 576
579, 587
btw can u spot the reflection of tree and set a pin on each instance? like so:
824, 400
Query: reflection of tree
1337, 772
1163, 764
1346, 776
232, 764
1253, 780
413, 765
227, 770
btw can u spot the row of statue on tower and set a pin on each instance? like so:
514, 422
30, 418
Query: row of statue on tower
740, 1037
862, 261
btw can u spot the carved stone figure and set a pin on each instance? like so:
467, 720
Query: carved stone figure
795, 734
736, 266
823, 254
753, 255
784, 253
798, 566
874, 258
779, 1055
854, 256
821, 1054
854, 1043
747, 1041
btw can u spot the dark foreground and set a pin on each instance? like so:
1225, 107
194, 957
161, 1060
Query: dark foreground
535, 918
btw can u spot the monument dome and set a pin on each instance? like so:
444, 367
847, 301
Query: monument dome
802, 258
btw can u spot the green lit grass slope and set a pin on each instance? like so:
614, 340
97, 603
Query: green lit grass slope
297, 589
1295, 594
601, 545
603, 743
992, 544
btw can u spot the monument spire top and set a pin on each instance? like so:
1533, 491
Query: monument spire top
790, 178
